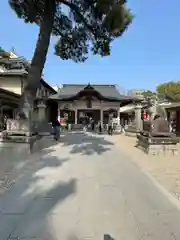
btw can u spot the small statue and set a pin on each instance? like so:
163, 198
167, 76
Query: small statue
159, 126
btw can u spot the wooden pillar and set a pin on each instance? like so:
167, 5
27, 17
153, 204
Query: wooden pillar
76, 115
101, 116
102, 112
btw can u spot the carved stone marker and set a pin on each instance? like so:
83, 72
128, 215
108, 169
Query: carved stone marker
19, 132
156, 137
17, 126
160, 127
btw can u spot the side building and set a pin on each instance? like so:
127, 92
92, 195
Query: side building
13, 78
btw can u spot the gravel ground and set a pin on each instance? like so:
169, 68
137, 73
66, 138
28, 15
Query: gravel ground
166, 169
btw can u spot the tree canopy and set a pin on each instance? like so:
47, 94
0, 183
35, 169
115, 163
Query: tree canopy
1, 50
81, 25
148, 93
4, 53
169, 90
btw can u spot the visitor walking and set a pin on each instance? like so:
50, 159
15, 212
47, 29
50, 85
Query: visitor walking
100, 127
5, 123
110, 126
92, 125
87, 122
56, 126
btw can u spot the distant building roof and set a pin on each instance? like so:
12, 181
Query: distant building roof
168, 105
107, 91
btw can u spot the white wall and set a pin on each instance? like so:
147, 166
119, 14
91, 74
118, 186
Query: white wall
10, 83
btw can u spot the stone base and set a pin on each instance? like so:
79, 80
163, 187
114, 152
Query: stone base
18, 144
18, 150
157, 146
43, 128
131, 130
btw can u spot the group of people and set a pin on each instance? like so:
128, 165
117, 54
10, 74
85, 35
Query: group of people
94, 127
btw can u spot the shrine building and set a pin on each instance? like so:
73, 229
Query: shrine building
95, 101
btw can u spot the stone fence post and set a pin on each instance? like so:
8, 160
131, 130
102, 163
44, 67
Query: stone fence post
41, 111
138, 119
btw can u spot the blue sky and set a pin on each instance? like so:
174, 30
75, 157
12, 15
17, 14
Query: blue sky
148, 53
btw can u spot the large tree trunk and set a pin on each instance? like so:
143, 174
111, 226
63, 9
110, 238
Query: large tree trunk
38, 60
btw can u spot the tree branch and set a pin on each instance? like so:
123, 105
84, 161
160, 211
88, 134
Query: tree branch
77, 11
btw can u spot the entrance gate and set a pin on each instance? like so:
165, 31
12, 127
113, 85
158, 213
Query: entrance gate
83, 114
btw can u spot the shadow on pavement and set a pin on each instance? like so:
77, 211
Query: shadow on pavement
21, 207
15, 154
108, 237
44, 142
85, 143
25, 206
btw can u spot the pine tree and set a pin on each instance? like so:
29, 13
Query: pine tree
81, 26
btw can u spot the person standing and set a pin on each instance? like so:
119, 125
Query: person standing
92, 125
110, 126
100, 127
5, 123
56, 126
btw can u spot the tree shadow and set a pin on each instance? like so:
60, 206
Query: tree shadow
22, 201
108, 237
85, 143
44, 142
35, 223
14, 157
27, 205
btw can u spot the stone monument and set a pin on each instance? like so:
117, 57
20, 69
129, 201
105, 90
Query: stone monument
20, 134
155, 137
135, 127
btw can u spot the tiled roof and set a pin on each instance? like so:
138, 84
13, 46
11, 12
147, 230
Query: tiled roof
23, 71
108, 91
14, 72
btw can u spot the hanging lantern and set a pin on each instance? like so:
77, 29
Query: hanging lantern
145, 115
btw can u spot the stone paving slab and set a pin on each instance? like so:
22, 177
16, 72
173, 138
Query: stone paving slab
87, 194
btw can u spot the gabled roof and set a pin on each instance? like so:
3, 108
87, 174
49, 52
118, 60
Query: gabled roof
107, 91
21, 72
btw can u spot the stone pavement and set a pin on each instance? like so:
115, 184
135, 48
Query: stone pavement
83, 188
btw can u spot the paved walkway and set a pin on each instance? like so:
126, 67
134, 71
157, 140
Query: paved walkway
84, 188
